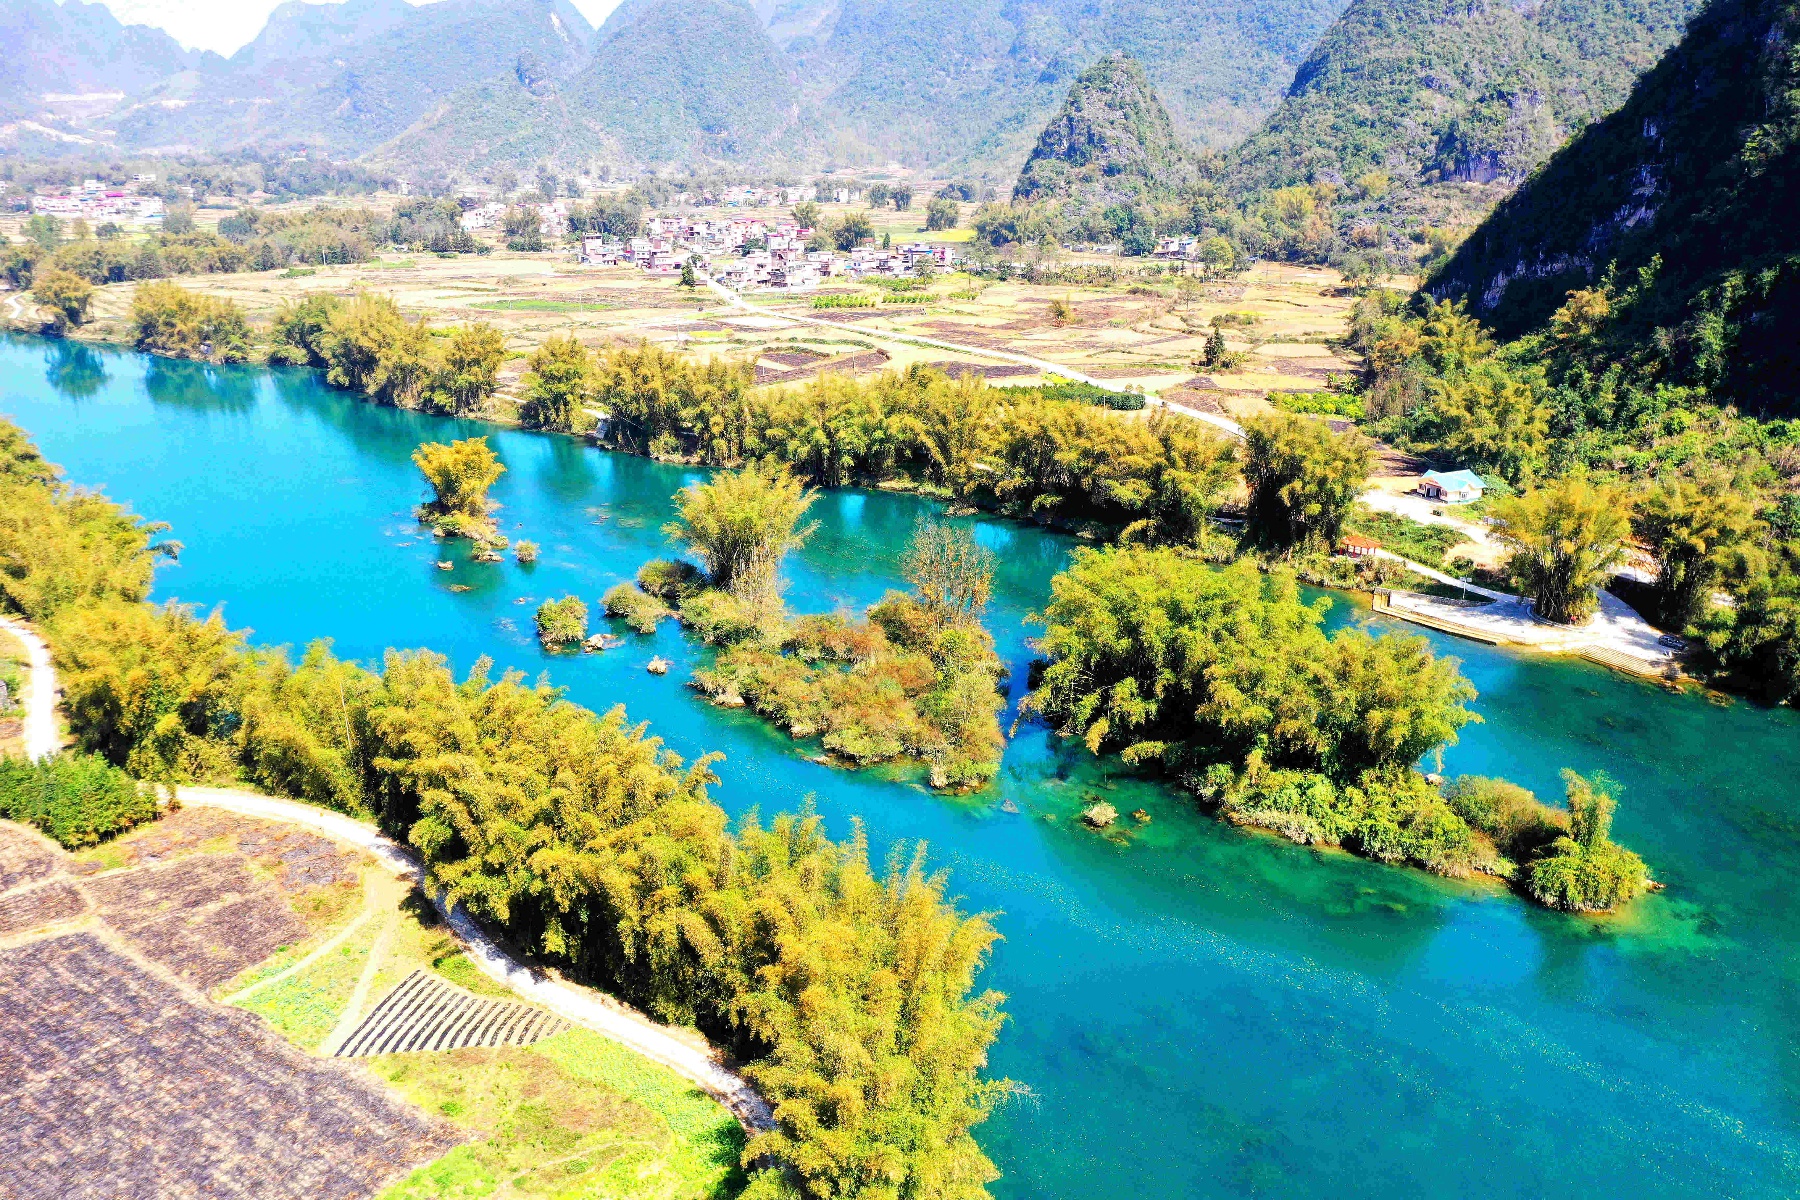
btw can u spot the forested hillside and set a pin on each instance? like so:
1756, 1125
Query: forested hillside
1427, 110
364, 92
1111, 143
1681, 207
937, 81
670, 81
76, 49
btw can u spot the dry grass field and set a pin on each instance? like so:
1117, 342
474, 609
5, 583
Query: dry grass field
1148, 332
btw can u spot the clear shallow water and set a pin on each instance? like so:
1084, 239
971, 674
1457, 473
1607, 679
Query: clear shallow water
1197, 1011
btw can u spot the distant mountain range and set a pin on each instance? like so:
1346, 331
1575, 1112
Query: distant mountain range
1432, 109
939, 83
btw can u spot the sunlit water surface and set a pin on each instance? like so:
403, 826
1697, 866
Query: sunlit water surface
1196, 1011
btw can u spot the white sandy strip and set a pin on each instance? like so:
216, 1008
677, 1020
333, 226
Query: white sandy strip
579, 1005
40, 706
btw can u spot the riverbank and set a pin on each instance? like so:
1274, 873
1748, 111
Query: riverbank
592, 1010
1301, 1020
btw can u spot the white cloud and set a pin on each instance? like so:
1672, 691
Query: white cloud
225, 25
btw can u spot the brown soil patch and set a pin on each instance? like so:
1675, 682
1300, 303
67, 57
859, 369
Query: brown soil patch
118, 1085
26, 857
204, 917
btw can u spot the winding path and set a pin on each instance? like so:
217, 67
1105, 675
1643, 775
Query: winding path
41, 739
582, 1006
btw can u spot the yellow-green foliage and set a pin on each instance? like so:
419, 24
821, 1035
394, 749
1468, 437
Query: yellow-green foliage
169, 319
1302, 478
575, 1115
637, 608
65, 294
61, 548
369, 346
900, 684
740, 524
561, 622
1016, 451
460, 474
849, 996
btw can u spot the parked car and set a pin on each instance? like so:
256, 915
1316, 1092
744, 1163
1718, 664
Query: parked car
1673, 642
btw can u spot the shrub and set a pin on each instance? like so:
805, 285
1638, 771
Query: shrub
171, 320
1587, 871
561, 622
637, 608
670, 579
526, 551
77, 799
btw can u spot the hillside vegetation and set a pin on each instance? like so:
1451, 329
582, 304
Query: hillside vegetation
1420, 110
1111, 142
1675, 218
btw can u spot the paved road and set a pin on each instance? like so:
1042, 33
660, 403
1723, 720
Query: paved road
40, 701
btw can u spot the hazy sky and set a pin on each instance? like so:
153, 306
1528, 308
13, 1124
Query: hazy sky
224, 25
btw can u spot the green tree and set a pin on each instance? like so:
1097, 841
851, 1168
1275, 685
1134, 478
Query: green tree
688, 279
1587, 871
806, 214
1302, 478
941, 213
1695, 531
460, 474
523, 227
65, 294
18, 263
853, 231
44, 231
470, 369
1490, 420
740, 524
178, 219
1565, 539
556, 386
902, 196
1215, 354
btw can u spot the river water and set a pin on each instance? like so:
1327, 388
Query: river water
1196, 1011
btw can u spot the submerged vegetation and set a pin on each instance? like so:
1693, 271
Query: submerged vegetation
849, 995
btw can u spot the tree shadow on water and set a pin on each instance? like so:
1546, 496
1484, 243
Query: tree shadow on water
201, 387
74, 370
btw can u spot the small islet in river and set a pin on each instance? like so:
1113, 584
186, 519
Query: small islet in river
1196, 1011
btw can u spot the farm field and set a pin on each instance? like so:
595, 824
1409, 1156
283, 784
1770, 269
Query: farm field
174, 991
1148, 332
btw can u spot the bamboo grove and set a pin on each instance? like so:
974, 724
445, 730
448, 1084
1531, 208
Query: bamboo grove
847, 990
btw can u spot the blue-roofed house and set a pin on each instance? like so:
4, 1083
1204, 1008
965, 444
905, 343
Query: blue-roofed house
1452, 487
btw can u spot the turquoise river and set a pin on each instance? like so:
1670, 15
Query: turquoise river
1195, 1011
